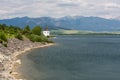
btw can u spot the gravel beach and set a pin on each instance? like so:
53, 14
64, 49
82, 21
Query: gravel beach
8, 56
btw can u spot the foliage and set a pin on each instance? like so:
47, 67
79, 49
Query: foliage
36, 38
3, 37
34, 34
27, 30
37, 30
19, 36
49, 41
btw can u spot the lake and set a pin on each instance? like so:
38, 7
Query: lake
84, 57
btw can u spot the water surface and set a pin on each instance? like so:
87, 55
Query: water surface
75, 58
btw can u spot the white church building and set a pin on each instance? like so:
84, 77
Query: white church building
46, 32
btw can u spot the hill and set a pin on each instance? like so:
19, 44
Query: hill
67, 22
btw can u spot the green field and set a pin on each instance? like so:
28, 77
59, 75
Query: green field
80, 32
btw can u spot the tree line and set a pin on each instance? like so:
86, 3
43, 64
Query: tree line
34, 34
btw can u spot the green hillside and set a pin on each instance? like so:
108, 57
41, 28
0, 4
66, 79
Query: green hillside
81, 32
34, 34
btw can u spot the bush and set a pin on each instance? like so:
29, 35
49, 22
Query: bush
19, 36
30, 37
36, 38
3, 37
49, 41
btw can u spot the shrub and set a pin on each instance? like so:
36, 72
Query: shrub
49, 41
30, 37
36, 38
19, 36
3, 37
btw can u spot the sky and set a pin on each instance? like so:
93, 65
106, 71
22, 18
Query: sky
59, 8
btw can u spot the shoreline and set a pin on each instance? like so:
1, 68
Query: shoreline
17, 61
10, 62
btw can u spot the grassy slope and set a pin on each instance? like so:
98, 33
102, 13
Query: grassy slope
78, 32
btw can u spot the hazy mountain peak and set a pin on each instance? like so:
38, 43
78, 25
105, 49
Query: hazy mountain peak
67, 22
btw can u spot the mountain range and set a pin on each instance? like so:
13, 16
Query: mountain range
67, 23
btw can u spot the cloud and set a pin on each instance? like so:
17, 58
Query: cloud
59, 8
67, 5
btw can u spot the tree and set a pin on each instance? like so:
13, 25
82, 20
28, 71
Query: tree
37, 30
26, 30
3, 26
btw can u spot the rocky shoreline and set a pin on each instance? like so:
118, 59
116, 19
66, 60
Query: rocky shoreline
8, 56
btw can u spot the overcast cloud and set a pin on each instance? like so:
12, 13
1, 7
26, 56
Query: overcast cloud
59, 8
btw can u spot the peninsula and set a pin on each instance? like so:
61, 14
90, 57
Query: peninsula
15, 41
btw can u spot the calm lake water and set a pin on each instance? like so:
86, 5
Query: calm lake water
75, 58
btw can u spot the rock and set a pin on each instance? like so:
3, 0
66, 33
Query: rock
18, 61
6, 55
1, 67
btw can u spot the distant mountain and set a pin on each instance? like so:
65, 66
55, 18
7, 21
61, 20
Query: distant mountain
67, 22
22, 22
